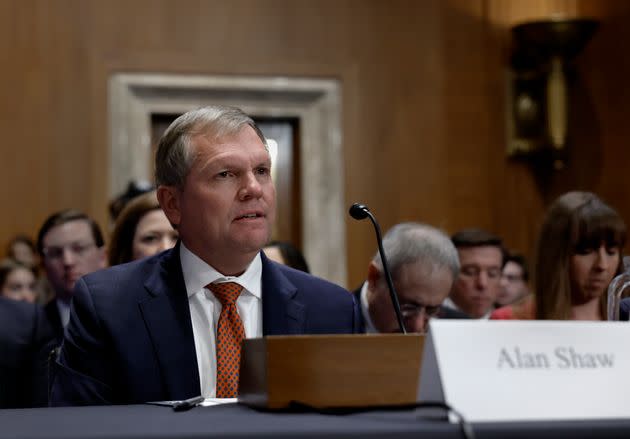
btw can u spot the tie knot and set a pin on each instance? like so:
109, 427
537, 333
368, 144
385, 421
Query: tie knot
226, 292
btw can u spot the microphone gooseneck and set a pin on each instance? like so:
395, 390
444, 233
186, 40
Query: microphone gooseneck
359, 212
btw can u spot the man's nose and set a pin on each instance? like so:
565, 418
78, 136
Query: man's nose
419, 322
68, 257
165, 243
251, 187
482, 280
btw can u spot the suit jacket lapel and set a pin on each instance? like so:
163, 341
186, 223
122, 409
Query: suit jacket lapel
167, 316
282, 312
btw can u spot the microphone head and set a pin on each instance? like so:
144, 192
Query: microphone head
359, 211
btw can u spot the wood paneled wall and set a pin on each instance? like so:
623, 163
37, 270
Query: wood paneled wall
423, 100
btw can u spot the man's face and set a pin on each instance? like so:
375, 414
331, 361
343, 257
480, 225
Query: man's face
420, 293
69, 253
226, 208
477, 285
513, 285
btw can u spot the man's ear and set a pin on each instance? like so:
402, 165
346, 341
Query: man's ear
168, 197
102, 257
373, 276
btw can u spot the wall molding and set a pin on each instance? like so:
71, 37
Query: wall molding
134, 97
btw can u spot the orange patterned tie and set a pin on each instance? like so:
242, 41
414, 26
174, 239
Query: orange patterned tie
230, 334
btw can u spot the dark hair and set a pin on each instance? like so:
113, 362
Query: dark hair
121, 242
8, 266
291, 255
22, 239
519, 260
575, 221
66, 216
134, 189
469, 238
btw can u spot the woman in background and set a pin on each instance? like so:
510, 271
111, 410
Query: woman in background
286, 253
17, 281
578, 254
22, 249
141, 230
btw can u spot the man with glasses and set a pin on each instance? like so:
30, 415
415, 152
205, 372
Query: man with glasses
423, 263
513, 280
71, 245
481, 259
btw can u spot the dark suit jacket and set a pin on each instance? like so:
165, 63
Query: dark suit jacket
23, 332
50, 350
130, 337
51, 313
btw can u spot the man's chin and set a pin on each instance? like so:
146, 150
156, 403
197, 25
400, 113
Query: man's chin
69, 288
253, 243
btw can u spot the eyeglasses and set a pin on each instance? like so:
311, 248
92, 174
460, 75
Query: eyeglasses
411, 310
512, 277
493, 273
76, 248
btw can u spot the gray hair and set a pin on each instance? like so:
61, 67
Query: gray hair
175, 154
407, 243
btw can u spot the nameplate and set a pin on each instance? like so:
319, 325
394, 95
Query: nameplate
528, 370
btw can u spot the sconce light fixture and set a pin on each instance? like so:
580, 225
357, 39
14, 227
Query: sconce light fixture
538, 98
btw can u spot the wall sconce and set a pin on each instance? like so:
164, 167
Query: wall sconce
538, 98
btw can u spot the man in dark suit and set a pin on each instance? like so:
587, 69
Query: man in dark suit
23, 332
424, 265
169, 327
70, 245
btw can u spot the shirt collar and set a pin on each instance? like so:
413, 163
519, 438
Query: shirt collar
198, 274
369, 326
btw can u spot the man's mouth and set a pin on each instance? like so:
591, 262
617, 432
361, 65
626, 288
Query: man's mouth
251, 215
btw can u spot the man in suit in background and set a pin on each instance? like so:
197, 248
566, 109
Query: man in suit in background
169, 327
23, 332
481, 256
70, 245
423, 263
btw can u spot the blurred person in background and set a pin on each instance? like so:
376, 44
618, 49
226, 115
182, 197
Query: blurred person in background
578, 254
514, 280
71, 245
17, 281
141, 230
134, 189
23, 332
481, 260
286, 253
22, 249
423, 264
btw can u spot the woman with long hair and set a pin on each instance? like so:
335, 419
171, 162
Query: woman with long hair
141, 230
578, 254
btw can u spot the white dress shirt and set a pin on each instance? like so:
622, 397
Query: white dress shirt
205, 309
64, 311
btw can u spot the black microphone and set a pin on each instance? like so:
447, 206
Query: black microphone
359, 212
